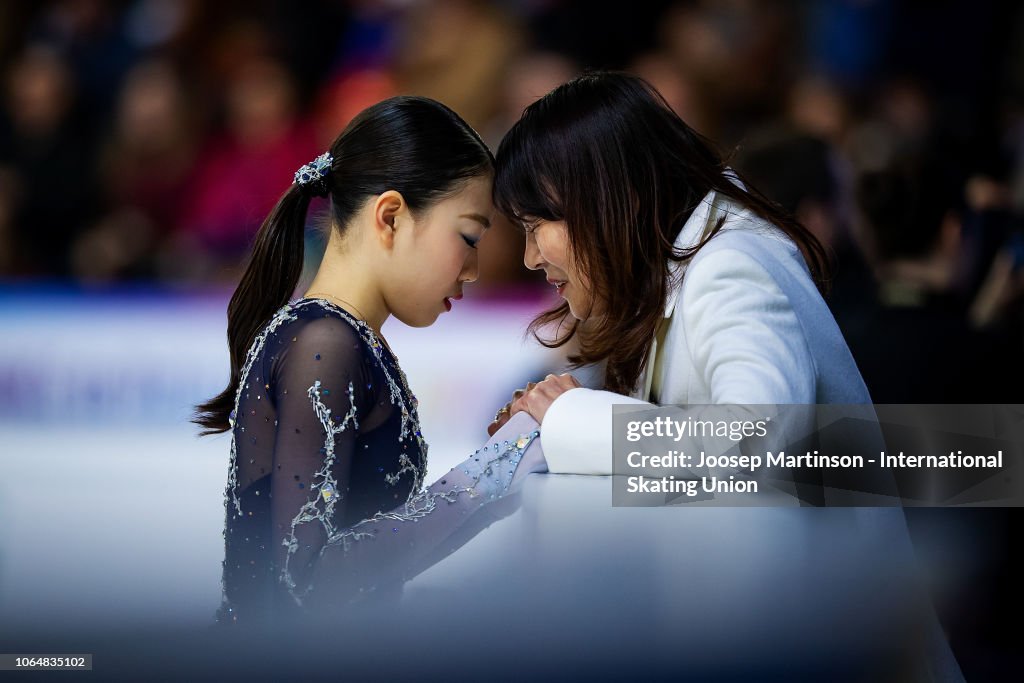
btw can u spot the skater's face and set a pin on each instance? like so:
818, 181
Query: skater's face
435, 253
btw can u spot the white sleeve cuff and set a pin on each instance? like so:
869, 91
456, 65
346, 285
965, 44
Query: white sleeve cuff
577, 431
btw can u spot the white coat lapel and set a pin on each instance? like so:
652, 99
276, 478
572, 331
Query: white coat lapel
700, 221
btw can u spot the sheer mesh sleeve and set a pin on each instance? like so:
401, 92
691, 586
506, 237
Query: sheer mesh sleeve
392, 547
324, 494
320, 394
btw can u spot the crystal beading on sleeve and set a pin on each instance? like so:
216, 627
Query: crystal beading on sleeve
325, 482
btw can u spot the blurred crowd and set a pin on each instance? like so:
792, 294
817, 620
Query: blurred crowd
147, 139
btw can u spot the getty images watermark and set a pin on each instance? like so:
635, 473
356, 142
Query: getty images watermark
833, 455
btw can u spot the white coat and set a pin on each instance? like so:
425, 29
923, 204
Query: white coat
745, 325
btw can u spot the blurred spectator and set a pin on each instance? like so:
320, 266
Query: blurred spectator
898, 124
997, 305
736, 54
915, 344
456, 51
818, 108
807, 177
846, 41
242, 171
596, 34
91, 35
674, 85
795, 171
347, 94
145, 169
46, 146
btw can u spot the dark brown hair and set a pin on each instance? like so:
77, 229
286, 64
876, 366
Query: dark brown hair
607, 155
413, 145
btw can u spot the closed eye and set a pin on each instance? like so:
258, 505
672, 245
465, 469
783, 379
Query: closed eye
470, 241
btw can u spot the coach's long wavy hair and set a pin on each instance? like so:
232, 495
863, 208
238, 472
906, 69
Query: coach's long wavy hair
606, 154
414, 145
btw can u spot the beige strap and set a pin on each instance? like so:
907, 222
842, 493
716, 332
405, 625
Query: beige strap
653, 378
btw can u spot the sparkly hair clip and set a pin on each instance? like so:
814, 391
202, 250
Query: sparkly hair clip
313, 176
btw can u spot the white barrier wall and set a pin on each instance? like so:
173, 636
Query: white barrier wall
103, 473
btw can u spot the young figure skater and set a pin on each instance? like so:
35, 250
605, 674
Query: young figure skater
327, 457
